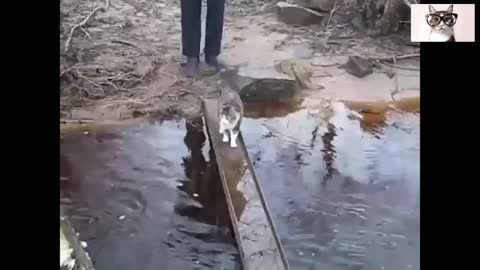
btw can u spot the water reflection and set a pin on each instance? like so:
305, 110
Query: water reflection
123, 197
352, 201
328, 151
204, 185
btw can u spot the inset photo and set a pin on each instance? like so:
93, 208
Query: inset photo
443, 23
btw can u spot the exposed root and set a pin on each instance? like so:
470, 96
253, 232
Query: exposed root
75, 121
400, 67
335, 7
393, 59
80, 25
126, 44
409, 2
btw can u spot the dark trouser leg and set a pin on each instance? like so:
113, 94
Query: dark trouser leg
214, 31
191, 27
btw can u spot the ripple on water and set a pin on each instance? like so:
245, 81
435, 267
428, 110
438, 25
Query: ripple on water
356, 173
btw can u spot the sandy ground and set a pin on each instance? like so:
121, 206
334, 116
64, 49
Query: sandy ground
123, 64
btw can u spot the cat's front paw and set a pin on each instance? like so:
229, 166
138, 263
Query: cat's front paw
225, 138
233, 144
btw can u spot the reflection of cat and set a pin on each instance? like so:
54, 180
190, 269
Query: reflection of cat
230, 113
441, 23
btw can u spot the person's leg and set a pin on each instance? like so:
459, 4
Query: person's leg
191, 33
214, 31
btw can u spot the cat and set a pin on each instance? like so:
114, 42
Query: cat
441, 24
230, 114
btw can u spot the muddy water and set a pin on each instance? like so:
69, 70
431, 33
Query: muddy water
343, 190
147, 198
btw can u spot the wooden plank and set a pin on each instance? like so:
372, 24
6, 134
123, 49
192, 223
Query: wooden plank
256, 237
82, 260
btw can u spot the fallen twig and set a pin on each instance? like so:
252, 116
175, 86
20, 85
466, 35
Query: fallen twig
396, 90
413, 44
76, 121
87, 35
80, 25
396, 57
334, 42
344, 37
126, 44
65, 71
331, 13
400, 67
324, 65
407, 2
325, 74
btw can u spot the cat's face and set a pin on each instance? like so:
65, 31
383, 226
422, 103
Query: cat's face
229, 113
441, 21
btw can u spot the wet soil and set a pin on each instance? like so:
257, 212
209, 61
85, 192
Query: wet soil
124, 63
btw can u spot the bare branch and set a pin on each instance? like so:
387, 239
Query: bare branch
394, 58
80, 25
409, 2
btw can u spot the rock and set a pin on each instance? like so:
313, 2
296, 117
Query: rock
323, 5
383, 17
295, 69
261, 84
298, 15
357, 66
358, 23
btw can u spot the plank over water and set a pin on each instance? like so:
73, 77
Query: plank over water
259, 246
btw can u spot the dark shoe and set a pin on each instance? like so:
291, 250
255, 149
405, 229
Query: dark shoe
191, 66
213, 62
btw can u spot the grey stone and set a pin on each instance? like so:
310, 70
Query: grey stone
298, 15
261, 84
357, 66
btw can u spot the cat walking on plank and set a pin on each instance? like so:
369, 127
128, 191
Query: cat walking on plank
230, 114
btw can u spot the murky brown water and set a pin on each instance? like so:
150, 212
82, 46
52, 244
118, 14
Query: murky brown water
343, 191
147, 198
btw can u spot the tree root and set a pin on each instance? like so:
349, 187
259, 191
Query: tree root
80, 26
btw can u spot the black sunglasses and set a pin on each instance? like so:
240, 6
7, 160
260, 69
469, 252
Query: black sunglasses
449, 19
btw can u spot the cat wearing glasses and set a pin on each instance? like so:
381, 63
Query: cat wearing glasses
441, 24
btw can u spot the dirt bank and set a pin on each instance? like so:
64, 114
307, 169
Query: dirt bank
120, 59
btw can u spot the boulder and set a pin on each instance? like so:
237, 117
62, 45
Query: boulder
357, 66
381, 17
261, 84
298, 15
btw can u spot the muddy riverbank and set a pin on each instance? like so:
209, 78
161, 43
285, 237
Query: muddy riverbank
124, 63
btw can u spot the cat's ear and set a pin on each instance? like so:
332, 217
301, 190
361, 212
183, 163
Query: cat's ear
431, 9
450, 9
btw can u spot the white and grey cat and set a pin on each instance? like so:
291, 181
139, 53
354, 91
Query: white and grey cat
441, 24
230, 113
